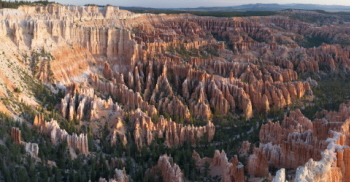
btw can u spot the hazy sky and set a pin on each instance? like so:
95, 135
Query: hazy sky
194, 3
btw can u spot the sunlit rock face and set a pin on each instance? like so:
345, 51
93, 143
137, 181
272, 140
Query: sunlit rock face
152, 76
317, 150
174, 134
82, 44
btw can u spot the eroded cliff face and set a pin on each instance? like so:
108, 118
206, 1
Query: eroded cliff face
84, 104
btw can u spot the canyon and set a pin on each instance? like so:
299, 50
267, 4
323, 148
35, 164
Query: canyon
161, 97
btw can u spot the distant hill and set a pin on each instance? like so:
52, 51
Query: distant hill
257, 7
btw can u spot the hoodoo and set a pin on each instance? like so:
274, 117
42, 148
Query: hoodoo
109, 94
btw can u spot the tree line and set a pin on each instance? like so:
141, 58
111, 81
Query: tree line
16, 4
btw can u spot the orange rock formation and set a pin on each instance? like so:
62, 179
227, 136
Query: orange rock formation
317, 150
174, 134
229, 171
16, 135
31, 148
169, 171
77, 142
127, 56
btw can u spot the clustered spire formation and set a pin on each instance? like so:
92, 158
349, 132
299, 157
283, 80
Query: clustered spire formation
145, 78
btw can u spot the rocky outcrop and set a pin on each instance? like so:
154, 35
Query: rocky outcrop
128, 56
167, 102
125, 96
107, 72
83, 104
324, 169
289, 140
16, 135
302, 130
31, 148
219, 165
119, 176
169, 171
104, 180
245, 148
257, 164
174, 134
118, 131
70, 63
76, 142
116, 64
317, 150
132, 49
199, 103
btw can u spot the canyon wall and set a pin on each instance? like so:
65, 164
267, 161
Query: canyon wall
132, 51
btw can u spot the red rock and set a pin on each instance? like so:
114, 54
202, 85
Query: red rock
169, 170
77, 142
107, 72
300, 142
31, 148
175, 134
16, 135
219, 165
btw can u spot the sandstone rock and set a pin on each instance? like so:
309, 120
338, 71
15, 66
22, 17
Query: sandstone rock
77, 142
285, 140
244, 150
104, 180
118, 130
229, 171
136, 58
169, 171
175, 134
257, 164
107, 72
31, 148
200, 104
16, 135
319, 147
120, 175
126, 96
280, 176
83, 104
